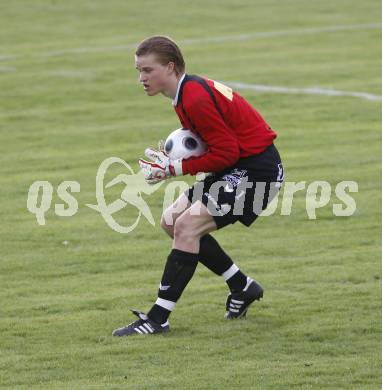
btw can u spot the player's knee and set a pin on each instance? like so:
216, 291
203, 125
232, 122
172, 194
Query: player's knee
168, 228
184, 228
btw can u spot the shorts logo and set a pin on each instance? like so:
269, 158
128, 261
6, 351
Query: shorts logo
234, 177
239, 172
280, 175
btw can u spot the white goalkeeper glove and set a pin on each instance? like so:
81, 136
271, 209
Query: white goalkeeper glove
161, 167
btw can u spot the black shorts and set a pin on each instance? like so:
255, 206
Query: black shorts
241, 192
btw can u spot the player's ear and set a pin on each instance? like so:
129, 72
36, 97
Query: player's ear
170, 67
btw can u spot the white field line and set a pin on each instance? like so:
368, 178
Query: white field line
7, 69
242, 37
307, 91
72, 74
8, 57
221, 39
267, 34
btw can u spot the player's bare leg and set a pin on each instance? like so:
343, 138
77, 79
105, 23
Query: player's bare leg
190, 226
173, 212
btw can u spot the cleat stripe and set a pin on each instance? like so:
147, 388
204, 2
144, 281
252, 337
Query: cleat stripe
137, 330
235, 301
148, 327
234, 310
143, 329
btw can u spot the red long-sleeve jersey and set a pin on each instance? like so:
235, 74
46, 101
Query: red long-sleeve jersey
228, 124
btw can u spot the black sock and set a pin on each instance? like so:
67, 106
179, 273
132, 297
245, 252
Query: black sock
178, 271
237, 282
158, 314
212, 255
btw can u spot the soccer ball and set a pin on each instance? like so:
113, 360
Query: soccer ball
183, 143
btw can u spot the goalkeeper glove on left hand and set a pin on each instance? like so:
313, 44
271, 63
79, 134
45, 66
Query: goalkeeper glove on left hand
161, 167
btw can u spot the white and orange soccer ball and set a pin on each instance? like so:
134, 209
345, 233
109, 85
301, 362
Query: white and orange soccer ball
183, 143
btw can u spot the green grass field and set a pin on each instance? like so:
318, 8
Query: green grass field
69, 98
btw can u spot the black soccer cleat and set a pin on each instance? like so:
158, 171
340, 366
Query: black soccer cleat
237, 303
142, 326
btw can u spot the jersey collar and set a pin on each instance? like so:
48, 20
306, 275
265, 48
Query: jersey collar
175, 101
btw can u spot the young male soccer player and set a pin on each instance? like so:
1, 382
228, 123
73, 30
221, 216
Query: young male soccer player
245, 166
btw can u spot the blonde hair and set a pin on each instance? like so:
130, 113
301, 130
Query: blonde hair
165, 49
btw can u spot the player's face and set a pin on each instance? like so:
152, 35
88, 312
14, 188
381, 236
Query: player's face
153, 75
